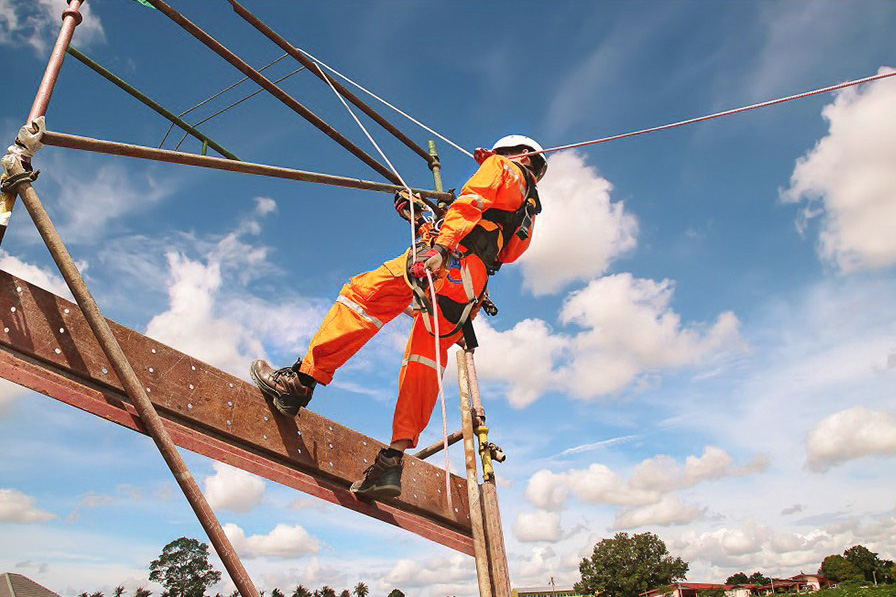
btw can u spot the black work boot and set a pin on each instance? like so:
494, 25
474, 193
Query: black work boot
288, 389
382, 479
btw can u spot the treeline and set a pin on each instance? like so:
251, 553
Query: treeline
183, 570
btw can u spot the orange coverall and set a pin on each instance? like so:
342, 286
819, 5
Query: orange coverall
372, 299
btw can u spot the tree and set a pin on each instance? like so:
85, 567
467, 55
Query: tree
839, 569
737, 579
277, 593
757, 578
865, 560
327, 591
183, 569
395, 593
345, 593
142, 592
96, 594
118, 591
625, 566
300, 591
361, 590
713, 592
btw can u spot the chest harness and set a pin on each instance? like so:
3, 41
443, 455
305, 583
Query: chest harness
485, 241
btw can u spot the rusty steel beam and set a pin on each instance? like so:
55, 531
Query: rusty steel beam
191, 159
241, 65
49, 347
315, 69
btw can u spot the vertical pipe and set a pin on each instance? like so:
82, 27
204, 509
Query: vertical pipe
148, 415
479, 547
70, 19
491, 512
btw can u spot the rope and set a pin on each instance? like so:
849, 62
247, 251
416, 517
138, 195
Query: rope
717, 114
208, 99
236, 103
435, 308
375, 96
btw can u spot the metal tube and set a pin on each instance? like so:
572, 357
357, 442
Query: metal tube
70, 19
281, 95
439, 445
191, 159
489, 498
480, 550
135, 93
317, 71
148, 415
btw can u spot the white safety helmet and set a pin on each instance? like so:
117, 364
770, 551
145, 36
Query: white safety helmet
539, 163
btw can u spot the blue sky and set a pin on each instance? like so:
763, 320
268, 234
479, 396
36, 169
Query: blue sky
700, 342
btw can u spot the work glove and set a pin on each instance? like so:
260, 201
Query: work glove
403, 205
432, 260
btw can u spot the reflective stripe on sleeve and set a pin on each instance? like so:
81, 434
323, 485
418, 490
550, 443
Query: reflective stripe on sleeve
475, 196
359, 310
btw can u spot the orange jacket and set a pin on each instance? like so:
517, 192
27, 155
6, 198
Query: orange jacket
495, 191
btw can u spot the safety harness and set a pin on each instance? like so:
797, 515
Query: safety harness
485, 241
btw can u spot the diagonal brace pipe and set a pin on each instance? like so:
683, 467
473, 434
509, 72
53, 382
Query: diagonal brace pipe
241, 65
315, 69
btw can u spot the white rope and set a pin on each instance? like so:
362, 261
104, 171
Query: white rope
435, 307
375, 96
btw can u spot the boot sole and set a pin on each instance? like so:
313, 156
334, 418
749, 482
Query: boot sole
378, 492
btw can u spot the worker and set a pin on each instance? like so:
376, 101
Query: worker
489, 224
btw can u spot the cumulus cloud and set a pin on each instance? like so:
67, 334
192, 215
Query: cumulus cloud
523, 357
233, 489
538, 526
630, 328
849, 181
39, 276
36, 23
668, 511
579, 232
435, 573
649, 482
284, 541
212, 316
9, 393
15, 506
850, 434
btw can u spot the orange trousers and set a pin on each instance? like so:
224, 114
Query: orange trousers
368, 302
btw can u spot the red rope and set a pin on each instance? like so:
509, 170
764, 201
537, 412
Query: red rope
717, 114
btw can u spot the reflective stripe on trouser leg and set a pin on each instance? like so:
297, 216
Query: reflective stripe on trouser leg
365, 304
417, 383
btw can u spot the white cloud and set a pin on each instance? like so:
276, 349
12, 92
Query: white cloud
630, 329
439, 573
668, 511
283, 541
15, 506
579, 232
37, 23
212, 316
9, 393
44, 278
522, 357
650, 480
233, 489
538, 526
850, 434
848, 178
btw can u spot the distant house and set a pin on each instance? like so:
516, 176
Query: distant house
542, 592
801, 583
16, 585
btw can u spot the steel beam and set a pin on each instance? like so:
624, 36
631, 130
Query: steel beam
46, 345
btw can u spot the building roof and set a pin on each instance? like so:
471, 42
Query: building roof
16, 585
